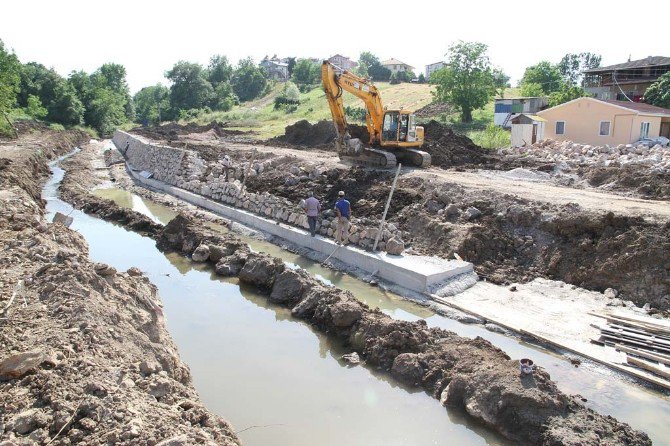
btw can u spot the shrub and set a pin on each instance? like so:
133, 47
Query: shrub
355, 113
492, 137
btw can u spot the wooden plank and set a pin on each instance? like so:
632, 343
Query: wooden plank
644, 326
644, 319
643, 332
616, 339
646, 365
641, 338
663, 359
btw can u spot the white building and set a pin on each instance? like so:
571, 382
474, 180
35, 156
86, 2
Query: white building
527, 129
396, 66
343, 62
433, 67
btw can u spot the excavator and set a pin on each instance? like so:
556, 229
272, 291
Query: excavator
394, 135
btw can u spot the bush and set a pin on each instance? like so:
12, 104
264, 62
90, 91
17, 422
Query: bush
34, 108
355, 113
492, 137
288, 99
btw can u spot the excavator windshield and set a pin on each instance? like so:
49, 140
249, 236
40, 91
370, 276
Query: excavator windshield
398, 127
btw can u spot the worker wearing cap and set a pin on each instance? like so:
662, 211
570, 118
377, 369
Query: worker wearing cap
343, 212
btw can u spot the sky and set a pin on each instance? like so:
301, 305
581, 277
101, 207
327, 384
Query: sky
148, 37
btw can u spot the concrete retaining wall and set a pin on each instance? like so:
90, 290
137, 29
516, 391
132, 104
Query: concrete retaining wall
164, 162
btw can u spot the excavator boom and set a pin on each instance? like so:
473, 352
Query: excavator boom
392, 132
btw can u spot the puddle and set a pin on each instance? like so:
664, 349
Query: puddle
643, 409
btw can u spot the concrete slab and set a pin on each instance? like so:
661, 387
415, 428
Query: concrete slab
416, 273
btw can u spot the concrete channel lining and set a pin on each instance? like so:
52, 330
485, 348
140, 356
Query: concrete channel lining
415, 273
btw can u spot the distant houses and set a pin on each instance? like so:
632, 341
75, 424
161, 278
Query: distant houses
397, 66
343, 62
275, 68
433, 67
626, 81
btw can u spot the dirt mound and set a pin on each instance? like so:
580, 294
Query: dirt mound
654, 185
449, 149
433, 109
172, 130
303, 133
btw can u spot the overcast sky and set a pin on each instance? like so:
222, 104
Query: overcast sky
148, 37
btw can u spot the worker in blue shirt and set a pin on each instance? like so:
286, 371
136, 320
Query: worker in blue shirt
343, 212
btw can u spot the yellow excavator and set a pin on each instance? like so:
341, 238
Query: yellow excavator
394, 135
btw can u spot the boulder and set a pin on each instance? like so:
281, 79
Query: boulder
27, 421
345, 313
231, 265
452, 211
289, 286
104, 270
406, 368
17, 365
261, 270
201, 254
352, 358
395, 246
472, 213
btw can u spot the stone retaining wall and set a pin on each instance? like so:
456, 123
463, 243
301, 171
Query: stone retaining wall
186, 170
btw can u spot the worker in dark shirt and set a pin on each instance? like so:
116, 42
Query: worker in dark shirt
343, 213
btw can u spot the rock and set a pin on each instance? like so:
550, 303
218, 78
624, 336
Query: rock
395, 246
15, 366
181, 440
231, 265
452, 211
27, 421
201, 254
134, 271
472, 213
160, 387
261, 270
352, 358
495, 328
149, 367
345, 313
289, 286
105, 270
62, 219
406, 368
610, 293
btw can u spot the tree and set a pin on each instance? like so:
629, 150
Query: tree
152, 103
10, 79
290, 64
544, 74
531, 90
65, 108
572, 66
658, 93
248, 80
190, 89
106, 111
467, 81
501, 81
224, 98
305, 74
373, 67
219, 70
422, 78
34, 107
565, 94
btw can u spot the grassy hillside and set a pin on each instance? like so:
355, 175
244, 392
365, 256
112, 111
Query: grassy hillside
261, 117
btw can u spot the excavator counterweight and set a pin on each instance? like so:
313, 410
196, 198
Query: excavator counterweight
394, 135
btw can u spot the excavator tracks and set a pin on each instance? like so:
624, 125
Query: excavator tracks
370, 157
414, 157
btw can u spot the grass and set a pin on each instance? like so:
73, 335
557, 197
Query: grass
261, 117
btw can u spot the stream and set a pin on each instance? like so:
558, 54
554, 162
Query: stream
279, 382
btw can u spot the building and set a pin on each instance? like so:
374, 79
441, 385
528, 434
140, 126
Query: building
507, 108
275, 68
343, 62
527, 129
599, 122
625, 81
396, 66
433, 67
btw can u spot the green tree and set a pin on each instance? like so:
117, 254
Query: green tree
190, 89
565, 94
219, 70
65, 108
422, 78
290, 64
10, 79
572, 65
373, 67
467, 80
106, 110
224, 97
530, 89
501, 81
34, 107
248, 80
545, 74
658, 93
152, 103
306, 73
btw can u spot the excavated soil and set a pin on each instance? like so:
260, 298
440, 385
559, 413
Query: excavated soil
172, 130
86, 356
653, 185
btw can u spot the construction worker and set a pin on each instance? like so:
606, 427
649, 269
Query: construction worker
227, 166
312, 208
343, 212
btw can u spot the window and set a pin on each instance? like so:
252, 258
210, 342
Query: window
644, 130
560, 127
604, 128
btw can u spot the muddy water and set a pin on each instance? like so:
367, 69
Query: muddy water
605, 391
275, 379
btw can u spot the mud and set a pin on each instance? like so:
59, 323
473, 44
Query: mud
653, 185
86, 355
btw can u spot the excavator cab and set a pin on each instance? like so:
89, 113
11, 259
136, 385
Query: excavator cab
399, 127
